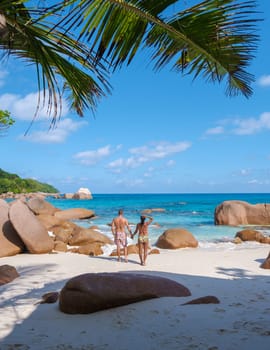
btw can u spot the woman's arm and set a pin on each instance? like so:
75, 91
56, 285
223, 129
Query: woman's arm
150, 219
136, 230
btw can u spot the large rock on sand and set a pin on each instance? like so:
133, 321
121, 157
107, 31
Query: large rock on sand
92, 292
208, 299
39, 206
8, 273
29, 228
234, 213
252, 235
266, 263
49, 221
85, 236
65, 230
75, 213
92, 249
176, 238
10, 242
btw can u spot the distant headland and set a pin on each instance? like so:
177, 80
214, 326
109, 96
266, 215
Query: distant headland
13, 183
13, 186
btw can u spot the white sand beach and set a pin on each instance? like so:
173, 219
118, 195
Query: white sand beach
234, 276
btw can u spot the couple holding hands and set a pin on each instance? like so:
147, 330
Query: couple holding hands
119, 226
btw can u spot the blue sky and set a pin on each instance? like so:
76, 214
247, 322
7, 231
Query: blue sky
156, 133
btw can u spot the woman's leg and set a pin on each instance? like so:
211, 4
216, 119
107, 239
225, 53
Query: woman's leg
126, 252
141, 252
145, 247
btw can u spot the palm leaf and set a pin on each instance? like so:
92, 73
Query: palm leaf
219, 42
214, 39
62, 63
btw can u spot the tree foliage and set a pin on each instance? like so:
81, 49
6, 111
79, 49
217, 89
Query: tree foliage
13, 183
74, 43
214, 39
5, 120
64, 66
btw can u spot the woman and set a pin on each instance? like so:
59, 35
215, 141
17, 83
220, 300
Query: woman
143, 238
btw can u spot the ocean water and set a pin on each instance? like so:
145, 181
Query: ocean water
194, 212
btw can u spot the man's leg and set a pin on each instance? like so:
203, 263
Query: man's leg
118, 250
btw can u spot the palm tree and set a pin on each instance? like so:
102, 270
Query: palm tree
215, 39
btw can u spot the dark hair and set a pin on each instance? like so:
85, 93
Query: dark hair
120, 211
143, 219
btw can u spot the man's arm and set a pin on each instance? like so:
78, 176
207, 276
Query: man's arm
128, 227
113, 227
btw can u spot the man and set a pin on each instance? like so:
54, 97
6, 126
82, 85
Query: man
119, 226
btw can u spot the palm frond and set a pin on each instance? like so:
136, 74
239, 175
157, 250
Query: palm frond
213, 39
62, 63
218, 42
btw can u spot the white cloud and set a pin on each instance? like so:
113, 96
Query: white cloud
151, 171
264, 80
170, 163
144, 154
129, 183
56, 135
147, 174
134, 162
116, 165
215, 131
24, 107
118, 147
159, 151
93, 156
242, 126
244, 172
254, 181
252, 125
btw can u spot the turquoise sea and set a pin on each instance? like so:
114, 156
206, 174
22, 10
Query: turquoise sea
194, 212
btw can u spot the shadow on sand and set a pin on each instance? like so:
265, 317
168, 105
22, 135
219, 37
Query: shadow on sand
153, 324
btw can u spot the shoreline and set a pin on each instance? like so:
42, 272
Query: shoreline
234, 276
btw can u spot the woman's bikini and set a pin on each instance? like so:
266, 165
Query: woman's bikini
143, 236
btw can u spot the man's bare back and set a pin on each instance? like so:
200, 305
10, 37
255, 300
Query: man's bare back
119, 224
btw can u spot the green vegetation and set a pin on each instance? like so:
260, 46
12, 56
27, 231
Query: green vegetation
74, 44
13, 183
5, 120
